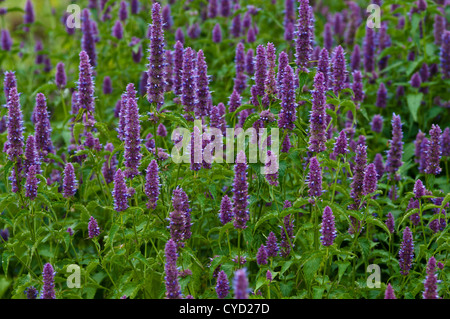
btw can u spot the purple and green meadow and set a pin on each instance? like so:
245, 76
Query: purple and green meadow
225, 149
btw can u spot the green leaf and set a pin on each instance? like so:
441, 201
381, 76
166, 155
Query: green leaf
414, 101
311, 267
378, 223
77, 129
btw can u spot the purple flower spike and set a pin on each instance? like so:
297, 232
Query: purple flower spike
168, 70
31, 293
389, 293
249, 63
15, 126
93, 228
240, 192
287, 235
188, 95
152, 184
272, 245
431, 281
110, 164
261, 256
417, 146
355, 59
323, 66
341, 144
317, 137
339, 70
379, 165
234, 102
283, 62
29, 16
203, 93
357, 86
48, 277
86, 89
406, 253
156, 85
288, 113
445, 142
434, 153
394, 156
328, 229
9, 82
132, 133
314, 178
123, 11
119, 192
240, 81
369, 50
304, 35
327, 37
423, 161
260, 74
445, 55
31, 155
70, 184
32, 182
179, 35
271, 82
419, 189
88, 38
60, 76
226, 210
212, 9
173, 290
240, 284
178, 68
222, 286
416, 81
196, 149
107, 85
6, 40
271, 169
117, 30
236, 26
370, 179
377, 123
357, 190
217, 34
390, 223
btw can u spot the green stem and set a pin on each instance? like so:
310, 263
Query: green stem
335, 180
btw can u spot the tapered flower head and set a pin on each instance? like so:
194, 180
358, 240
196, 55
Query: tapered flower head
389, 292
261, 256
173, 290
314, 178
341, 144
70, 183
152, 184
156, 85
15, 128
240, 284
288, 113
226, 210
445, 55
132, 132
119, 192
6, 41
394, 156
217, 34
377, 123
390, 223
357, 190
32, 182
339, 69
60, 76
381, 96
430, 284
86, 89
48, 277
304, 35
317, 137
29, 16
435, 151
178, 67
406, 253
328, 229
222, 286
272, 245
88, 36
202, 86
93, 228
445, 142
240, 192
370, 179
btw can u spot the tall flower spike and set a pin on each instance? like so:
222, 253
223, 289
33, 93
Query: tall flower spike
249, 63
394, 156
173, 290
168, 70
88, 40
60, 76
381, 96
240, 192
435, 152
222, 286
86, 89
431, 281
317, 132
328, 229
390, 223
272, 245
261, 256
355, 59
369, 50
327, 37
379, 165
9, 82
42, 128
304, 35
240, 81
119, 192
377, 123
155, 88
70, 184
226, 210
15, 126
423, 162
389, 293
288, 111
357, 86
260, 75
177, 218
370, 179
271, 168
217, 34
339, 70
314, 178
283, 62
31, 155
271, 82
445, 55
29, 16
445, 142
32, 182
132, 133
240, 284
323, 66
6, 41
203, 94
110, 165
152, 184
417, 146
189, 87
406, 253
419, 189
341, 144
438, 28
48, 277
196, 149
93, 228
178, 68
357, 190
234, 102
